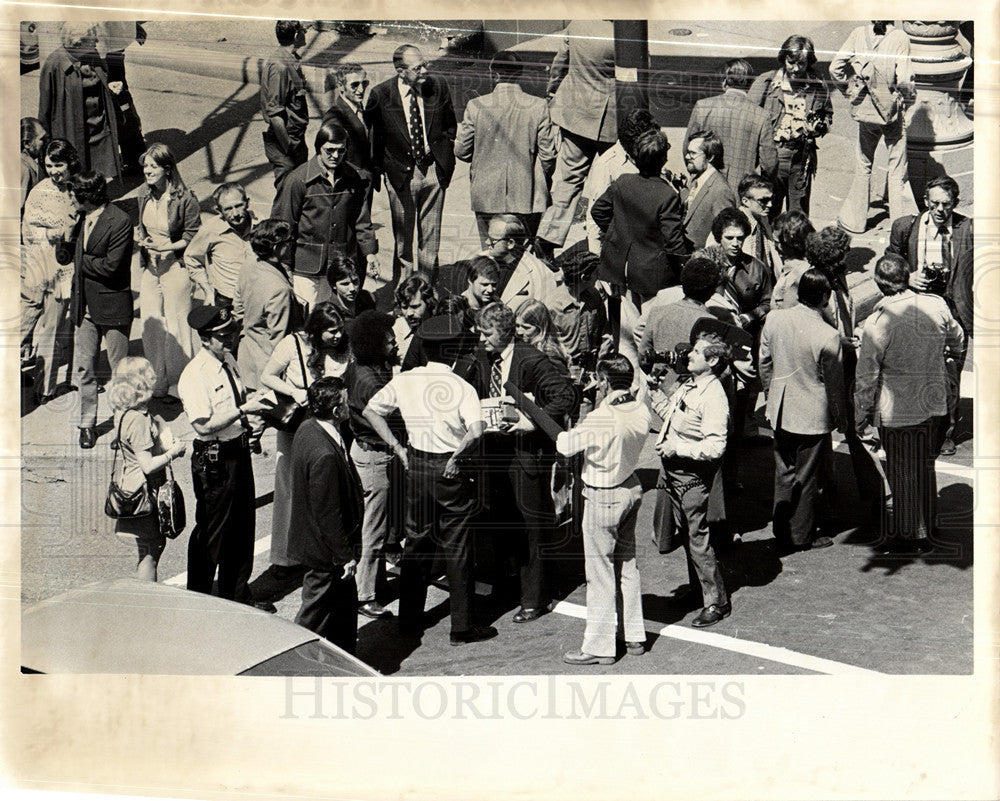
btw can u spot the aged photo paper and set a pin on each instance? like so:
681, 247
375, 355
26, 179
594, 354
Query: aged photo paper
817, 728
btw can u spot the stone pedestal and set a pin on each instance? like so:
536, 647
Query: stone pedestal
938, 132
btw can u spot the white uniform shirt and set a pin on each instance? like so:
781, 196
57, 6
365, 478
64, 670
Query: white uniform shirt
437, 406
611, 438
205, 391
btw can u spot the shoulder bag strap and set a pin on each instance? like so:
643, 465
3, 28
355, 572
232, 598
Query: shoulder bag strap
302, 365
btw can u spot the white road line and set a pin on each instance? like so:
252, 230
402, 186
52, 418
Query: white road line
260, 546
748, 647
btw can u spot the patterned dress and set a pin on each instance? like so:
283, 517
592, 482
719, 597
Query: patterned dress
46, 329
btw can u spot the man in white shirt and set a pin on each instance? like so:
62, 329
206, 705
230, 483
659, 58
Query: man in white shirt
443, 421
611, 439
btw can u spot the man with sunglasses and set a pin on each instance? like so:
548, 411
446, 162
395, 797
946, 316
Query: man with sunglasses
350, 81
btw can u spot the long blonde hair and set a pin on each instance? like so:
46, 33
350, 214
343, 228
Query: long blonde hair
164, 157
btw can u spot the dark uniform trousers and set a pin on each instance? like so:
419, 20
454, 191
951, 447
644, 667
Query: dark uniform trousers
223, 534
330, 607
439, 512
681, 512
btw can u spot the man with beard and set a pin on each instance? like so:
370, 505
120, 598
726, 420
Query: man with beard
708, 192
375, 354
216, 254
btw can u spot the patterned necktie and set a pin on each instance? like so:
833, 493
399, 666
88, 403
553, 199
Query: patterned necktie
496, 377
416, 128
945, 247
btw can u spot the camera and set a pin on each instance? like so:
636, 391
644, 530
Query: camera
656, 362
937, 274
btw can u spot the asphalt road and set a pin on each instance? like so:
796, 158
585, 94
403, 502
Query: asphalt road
839, 610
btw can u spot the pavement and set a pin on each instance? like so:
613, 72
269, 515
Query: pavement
841, 610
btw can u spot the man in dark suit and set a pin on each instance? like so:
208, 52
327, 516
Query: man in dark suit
413, 144
743, 126
708, 191
643, 236
938, 246
518, 457
348, 109
581, 95
803, 375
511, 142
101, 301
327, 512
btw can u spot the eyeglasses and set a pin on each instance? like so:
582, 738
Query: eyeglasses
358, 84
763, 201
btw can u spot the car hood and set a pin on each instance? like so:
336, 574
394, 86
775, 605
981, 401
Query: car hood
132, 626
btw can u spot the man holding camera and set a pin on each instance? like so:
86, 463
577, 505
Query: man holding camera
938, 247
691, 445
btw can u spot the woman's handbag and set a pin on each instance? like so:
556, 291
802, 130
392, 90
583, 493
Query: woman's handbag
170, 504
287, 414
119, 504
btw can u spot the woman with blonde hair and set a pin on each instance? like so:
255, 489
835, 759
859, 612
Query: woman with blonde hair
145, 453
169, 217
533, 326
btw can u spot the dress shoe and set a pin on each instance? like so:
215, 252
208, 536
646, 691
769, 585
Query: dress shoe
711, 615
920, 546
529, 613
476, 634
635, 648
948, 447
820, 542
374, 610
265, 606
581, 658
88, 437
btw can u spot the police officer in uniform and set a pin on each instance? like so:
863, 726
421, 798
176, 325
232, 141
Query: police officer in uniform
216, 405
444, 421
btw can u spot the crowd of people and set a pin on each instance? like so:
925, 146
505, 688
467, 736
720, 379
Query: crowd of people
506, 399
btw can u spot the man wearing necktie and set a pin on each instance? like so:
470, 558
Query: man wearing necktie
348, 109
216, 405
327, 512
938, 246
101, 297
519, 458
691, 445
413, 128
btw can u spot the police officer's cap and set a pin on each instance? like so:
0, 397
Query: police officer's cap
207, 320
442, 328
